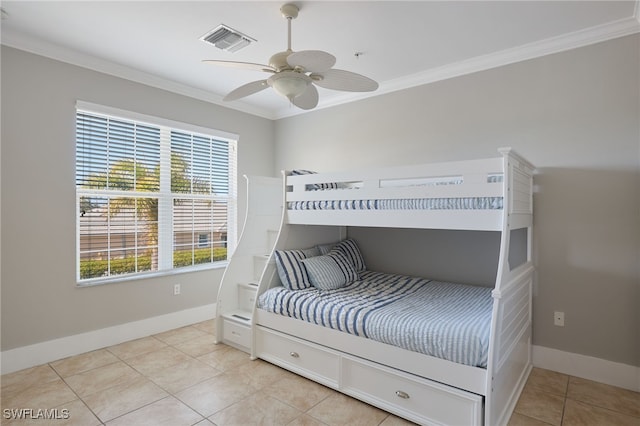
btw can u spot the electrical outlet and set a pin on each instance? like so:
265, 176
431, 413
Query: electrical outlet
558, 319
176, 289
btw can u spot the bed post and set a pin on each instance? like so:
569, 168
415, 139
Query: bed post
509, 360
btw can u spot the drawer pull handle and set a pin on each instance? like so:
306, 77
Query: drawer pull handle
402, 395
294, 354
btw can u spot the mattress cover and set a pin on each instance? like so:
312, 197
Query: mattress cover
446, 320
461, 203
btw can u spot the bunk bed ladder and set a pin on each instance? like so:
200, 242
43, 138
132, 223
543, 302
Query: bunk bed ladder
239, 285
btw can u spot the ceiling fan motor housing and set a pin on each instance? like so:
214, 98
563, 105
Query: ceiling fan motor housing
279, 60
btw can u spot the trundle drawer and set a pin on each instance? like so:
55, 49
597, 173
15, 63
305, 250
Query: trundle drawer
239, 334
426, 401
307, 359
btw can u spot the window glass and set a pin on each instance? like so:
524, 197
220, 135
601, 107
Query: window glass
139, 184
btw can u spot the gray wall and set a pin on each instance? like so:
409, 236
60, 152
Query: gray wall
443, 255
575, 115
40, 300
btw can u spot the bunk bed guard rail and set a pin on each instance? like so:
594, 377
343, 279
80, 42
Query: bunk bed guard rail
471, 194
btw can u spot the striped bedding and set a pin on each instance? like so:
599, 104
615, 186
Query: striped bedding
445, 320
461, 203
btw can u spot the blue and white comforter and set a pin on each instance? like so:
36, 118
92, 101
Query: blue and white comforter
445, 320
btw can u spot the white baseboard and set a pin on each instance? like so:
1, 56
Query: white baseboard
52, 350
586, 367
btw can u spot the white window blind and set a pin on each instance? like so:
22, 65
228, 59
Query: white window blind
151, 197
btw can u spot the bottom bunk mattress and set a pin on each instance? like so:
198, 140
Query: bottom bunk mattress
445, 320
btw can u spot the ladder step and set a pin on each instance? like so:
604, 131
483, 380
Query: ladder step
250, 286
240, 317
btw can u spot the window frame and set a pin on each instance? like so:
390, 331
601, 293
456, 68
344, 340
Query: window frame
165, 216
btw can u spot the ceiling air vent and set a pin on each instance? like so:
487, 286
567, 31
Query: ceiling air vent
227, 38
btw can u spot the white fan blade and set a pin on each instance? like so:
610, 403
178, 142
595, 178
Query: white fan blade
241, 65
246, 90
308, 99
312, 60
344, 80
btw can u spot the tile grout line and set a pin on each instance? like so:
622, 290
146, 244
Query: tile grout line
595, 404
138, 408
564, 408
564, 400
76, 393
170, 394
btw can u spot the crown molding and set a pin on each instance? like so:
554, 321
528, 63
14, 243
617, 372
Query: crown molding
585, 37
581, 38
73, 57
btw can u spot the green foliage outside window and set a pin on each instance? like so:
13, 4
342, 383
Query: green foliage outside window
99, 267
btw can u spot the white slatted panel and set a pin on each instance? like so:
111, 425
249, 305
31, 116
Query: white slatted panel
521, 192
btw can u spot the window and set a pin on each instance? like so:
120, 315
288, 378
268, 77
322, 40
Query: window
203, 240
152, 195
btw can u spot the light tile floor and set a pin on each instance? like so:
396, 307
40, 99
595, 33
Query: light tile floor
181, 378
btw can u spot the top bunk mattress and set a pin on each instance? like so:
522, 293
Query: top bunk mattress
445, 320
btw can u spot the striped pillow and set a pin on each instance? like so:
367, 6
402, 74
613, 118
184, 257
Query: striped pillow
351, 251
291, 270
325, 248
314, 186
330, 271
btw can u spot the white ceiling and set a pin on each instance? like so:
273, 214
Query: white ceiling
403, 44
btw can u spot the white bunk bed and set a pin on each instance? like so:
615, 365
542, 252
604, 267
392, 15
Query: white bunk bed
489, 195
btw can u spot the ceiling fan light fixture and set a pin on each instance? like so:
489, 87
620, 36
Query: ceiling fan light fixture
289, 84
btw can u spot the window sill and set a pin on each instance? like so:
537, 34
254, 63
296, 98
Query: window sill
146, 275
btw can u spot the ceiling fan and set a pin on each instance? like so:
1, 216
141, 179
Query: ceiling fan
294, 74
